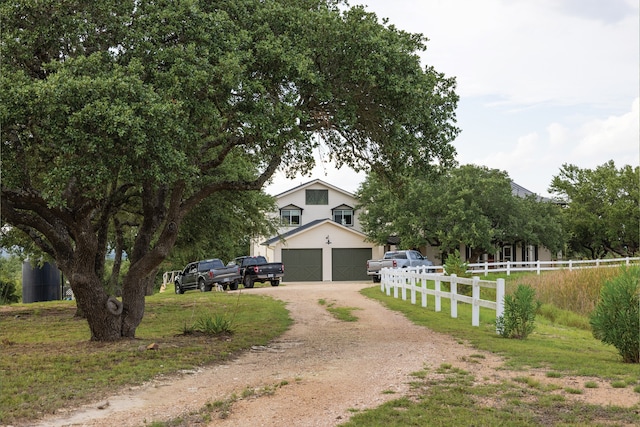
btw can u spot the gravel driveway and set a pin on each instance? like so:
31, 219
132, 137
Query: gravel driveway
321, 369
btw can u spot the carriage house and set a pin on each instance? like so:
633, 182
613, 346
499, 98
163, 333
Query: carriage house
320, 238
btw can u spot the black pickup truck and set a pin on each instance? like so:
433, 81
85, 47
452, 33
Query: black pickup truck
258, 269
205, 274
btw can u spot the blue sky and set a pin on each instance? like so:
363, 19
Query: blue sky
541, 83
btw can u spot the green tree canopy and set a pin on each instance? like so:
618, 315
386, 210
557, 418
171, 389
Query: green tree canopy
125, 115
470, 205
602, 214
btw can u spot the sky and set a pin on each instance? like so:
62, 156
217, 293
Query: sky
541, 83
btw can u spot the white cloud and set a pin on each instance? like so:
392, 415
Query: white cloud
521, 157
616, 137
527, 51
558, 135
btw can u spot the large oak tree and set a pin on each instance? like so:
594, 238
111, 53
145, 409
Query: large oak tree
602, 209
131, 113
470, 205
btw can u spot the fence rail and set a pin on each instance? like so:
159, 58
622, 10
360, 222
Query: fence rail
539, 266
168, 278
414, 281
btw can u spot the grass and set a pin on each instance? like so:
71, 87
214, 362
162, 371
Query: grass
49, 363
552, 345
452, 398
574, 291
344, 314
561, 343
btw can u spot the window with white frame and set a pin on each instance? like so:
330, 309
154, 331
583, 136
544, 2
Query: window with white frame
343, 216
290, 216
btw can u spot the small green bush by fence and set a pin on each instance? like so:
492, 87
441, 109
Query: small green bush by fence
519, 316
616, 318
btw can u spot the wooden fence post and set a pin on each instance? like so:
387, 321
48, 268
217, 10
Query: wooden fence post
454, 296
499, 300
475, 304
424, 291
438, 297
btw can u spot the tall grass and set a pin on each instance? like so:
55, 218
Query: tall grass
577, 291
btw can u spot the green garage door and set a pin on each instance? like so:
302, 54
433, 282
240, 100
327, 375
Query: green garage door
350, 264
302, 265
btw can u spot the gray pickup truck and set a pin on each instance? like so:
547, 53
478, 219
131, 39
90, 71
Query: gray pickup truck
397, 259
205, 274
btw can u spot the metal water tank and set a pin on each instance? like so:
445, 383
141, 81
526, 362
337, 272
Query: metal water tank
40, 283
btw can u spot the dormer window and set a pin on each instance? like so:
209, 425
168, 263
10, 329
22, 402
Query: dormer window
290, 216
343, 215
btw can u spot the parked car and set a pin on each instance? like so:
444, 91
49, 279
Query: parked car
258, 269
397, 259
205, 274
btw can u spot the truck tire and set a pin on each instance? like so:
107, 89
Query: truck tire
275, 282
248, 283
179, 289
376, 279
203, 287
233, 286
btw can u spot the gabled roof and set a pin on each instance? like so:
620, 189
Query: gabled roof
520, 191
291, 206
309, 226
315, 181
343, 206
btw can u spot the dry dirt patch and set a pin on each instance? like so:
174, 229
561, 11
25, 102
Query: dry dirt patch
321, 369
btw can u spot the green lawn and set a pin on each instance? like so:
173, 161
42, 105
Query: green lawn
48, 361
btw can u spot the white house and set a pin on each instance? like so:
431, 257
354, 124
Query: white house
321, 238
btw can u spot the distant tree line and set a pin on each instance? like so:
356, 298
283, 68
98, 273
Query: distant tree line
594, 213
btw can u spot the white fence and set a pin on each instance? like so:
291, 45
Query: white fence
414, 280
168, 278
538, 266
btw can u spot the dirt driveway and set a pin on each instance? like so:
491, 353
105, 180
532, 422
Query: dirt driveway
319, 371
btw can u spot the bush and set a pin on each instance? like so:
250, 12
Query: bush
616, 318
453, 264
8, 293
217, 325
519, 313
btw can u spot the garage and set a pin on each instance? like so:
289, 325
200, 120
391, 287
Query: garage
302, 265
350, 263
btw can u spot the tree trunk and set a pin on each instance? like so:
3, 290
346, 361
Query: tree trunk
133, 298
103, 312
150, 279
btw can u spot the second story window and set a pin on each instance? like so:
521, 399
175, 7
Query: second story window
343, 216
290, 216
317, 197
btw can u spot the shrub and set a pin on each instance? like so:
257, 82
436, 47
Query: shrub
453, 264
519, 313
217, 325
8, 293
616, 318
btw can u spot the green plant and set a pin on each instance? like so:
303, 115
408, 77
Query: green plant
519, 313
8, 293
343, 313
616, 318
453, 264
217, 325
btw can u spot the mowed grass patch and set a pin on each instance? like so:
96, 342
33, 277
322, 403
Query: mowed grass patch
551, 345
450, 397
49, 363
